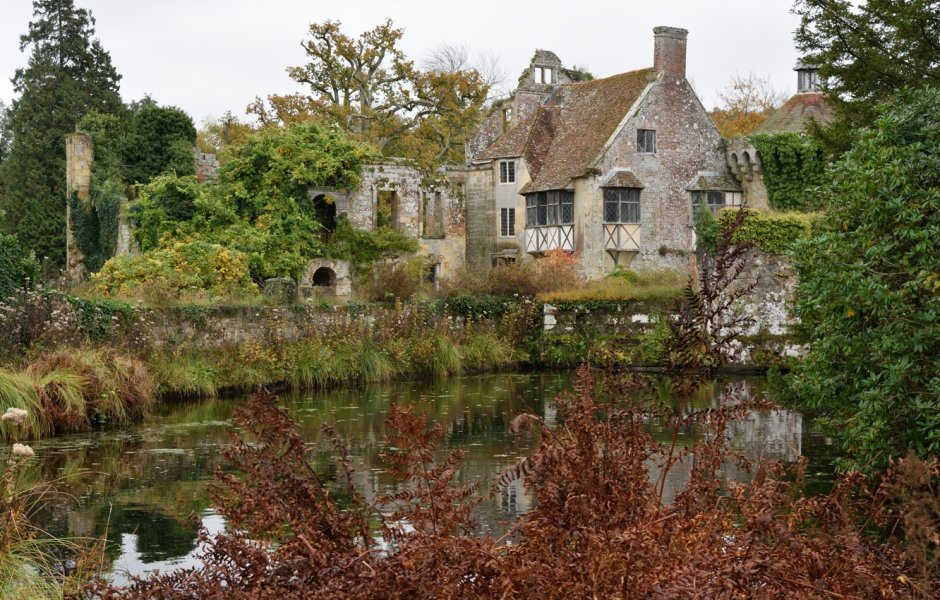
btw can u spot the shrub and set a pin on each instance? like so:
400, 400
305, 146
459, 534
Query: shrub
19, 269
771, 232
177, 268
868, 296
554, 271
394, 281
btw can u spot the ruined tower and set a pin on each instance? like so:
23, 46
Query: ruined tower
79, 157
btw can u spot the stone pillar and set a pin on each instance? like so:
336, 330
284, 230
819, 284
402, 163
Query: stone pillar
669, 51
79, 157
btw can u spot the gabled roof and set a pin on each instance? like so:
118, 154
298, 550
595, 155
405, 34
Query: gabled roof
562, 138
714, 182
567, 134
797, 112
623, 178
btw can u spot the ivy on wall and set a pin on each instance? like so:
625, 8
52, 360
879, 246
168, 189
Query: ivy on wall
772, 233
793, 166
95, 224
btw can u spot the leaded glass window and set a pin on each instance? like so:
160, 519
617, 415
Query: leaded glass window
622, 205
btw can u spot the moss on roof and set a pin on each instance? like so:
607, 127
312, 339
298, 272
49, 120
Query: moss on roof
574, 125
797, 112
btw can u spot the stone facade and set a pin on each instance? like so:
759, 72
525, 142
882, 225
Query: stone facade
583, 138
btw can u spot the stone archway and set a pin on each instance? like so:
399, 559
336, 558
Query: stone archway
324, 277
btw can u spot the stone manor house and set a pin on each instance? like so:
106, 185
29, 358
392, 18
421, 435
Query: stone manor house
608, 169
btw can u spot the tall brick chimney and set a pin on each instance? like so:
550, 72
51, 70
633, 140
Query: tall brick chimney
669, 52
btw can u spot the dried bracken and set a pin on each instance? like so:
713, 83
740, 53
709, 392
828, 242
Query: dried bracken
600, 527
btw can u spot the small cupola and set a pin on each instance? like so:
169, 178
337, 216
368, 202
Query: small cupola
807, 78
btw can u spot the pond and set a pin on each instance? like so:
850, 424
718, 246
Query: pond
145, 487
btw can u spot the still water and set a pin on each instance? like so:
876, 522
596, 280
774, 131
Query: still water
145, 487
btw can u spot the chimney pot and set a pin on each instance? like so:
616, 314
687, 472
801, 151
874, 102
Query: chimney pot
669, 51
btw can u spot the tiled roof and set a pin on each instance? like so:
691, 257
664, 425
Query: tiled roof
623, 179
797, 112
510, 144
722, 183
574, 124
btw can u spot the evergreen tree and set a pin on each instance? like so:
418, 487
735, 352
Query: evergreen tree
866, 53
68, 75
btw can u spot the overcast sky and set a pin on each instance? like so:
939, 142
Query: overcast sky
210, 56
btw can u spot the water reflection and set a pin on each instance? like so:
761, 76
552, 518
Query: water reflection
144, 487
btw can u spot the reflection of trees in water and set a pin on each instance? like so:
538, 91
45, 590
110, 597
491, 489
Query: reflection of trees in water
156, 476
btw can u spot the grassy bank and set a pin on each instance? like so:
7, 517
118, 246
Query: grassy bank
72, 390
319, 362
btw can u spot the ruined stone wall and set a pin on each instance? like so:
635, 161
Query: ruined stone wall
207, 166
480, 217
768, 341
398, 177
744, 163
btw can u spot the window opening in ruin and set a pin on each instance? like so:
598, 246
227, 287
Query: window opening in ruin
324, 210
431, 276
507, 118
507, 222
555, 207
646, 141
386, 209
544, 74
507, 171
432, 215
622, 205
324, 277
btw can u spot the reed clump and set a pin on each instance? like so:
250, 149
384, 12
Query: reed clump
73, 390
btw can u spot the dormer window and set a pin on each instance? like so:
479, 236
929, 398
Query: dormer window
544, 75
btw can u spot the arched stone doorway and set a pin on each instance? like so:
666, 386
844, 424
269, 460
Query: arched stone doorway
324, 277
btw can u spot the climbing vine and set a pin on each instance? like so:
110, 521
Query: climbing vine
793, 165
95, 224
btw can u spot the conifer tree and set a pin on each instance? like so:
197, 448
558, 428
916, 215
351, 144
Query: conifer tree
68, 75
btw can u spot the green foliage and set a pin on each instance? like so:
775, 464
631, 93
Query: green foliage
869, 291
98, 316
67, 76
793, 165
162, 206
95, 224
771, 232
479, 307
18, 268
176, 268
706, 230
362, 247
867, 51
160, 139
259, 214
